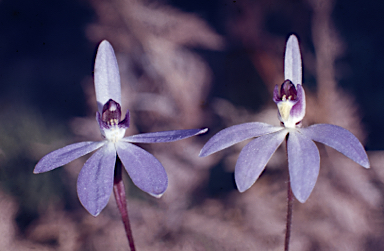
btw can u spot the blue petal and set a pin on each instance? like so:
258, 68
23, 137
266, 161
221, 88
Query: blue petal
107, 77
167, 136
292, 61
235, 134
95, 181
340, 139
303, 164
65, 155
254, 157
145, 170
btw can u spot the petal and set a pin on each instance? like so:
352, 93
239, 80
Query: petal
95, 181
65, 155
125, 122
235, 134
292, 61
298, 110
145, 170
167, 136
303, 164
340, 139
107, 77
254, 157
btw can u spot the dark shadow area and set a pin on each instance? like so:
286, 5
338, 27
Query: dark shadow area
44, 56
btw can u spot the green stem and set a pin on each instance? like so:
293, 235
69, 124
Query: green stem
119, 192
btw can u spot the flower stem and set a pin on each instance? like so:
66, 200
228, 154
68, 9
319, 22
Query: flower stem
289, 216
119, 192
289, 205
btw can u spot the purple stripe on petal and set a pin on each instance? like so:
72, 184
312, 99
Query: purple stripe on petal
303, 164
95, 181
107, 77
254, 157
145, 170
65, 155
235, 134
167, 136
340, 139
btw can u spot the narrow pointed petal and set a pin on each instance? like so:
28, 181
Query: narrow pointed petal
95, 181
145, 170
303, 164
235, 134
167, 136
65, 155
254, 157
107, 77
340, 139
292, 61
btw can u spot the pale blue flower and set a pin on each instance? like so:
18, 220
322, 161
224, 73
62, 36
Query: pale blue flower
95, 181
303, 155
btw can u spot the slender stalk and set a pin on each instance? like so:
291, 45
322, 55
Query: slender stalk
119, 192
289, 216
289, 206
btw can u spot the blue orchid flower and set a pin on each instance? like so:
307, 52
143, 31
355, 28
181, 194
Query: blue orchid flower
303, 155
95, 180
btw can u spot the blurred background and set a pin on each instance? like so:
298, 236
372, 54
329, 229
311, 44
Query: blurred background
189, 64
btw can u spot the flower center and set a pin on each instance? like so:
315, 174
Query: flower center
285, 107
285, 100
111, 126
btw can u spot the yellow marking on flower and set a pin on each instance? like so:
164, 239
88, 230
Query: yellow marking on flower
113, 122
285, 107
